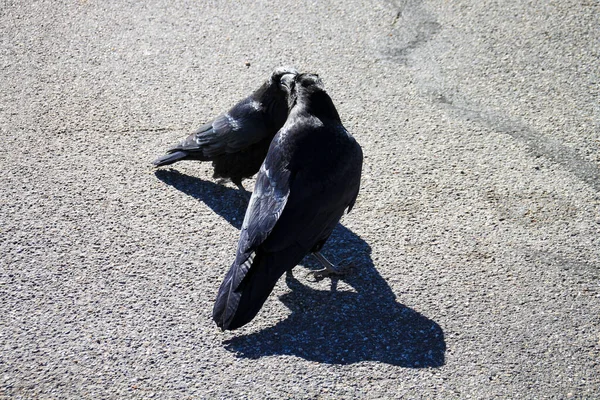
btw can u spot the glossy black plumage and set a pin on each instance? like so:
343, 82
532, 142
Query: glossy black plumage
237, 141
310, 177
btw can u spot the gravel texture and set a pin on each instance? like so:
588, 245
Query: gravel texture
475, 240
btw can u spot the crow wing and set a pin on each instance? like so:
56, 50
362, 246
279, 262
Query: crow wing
231, 132
268, 200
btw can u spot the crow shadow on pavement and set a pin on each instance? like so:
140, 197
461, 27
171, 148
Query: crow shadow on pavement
361, 323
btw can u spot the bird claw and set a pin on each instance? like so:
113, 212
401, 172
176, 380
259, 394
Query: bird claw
323, 273
316, 276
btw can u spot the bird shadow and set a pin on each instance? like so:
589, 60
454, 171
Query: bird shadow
229, 203
361, 321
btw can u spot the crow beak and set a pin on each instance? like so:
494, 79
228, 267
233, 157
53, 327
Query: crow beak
288, 80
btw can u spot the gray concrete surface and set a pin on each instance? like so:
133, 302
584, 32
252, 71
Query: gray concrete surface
475, 239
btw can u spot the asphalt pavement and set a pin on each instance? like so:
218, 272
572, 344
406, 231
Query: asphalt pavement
475, 240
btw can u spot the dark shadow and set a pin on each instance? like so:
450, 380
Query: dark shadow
229, 203
331, 326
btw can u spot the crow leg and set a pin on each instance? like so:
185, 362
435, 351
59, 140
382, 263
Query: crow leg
328, 268
247, 194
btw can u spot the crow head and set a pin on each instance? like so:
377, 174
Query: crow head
274, 94
283, 78
309, 92
309, 83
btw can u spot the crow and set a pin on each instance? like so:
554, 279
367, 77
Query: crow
237, 141
310, 177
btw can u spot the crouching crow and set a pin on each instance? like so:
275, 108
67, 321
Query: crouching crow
237, 142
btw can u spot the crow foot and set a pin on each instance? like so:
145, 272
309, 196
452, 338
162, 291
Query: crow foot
329, 269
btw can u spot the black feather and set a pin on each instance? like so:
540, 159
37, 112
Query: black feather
169, 158
310, 176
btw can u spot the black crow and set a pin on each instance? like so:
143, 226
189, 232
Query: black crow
238, 140
310, 177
